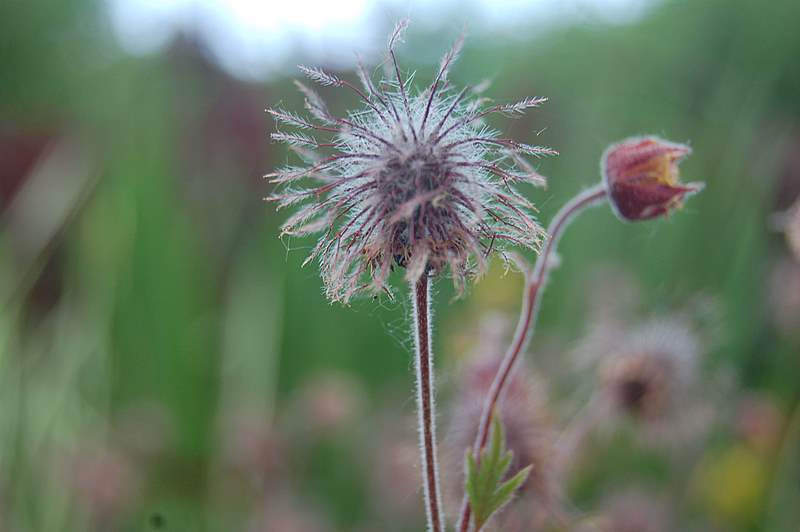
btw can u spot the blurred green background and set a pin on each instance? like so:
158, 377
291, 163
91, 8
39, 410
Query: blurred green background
165, 363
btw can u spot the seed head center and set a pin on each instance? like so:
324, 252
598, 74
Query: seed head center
407, 175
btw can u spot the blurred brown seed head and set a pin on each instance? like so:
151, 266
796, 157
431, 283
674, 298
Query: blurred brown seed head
641, 177
640, 383
528, 436
413, 179
783, 292
651, 368
636, 510
252, 448
649, 374
285, 514
331, 401
394, 470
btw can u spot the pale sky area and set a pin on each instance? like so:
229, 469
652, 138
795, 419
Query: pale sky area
259, 39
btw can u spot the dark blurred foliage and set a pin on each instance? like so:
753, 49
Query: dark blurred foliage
165, 364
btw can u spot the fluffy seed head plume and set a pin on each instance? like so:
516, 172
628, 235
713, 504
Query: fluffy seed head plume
412, 179
649, 375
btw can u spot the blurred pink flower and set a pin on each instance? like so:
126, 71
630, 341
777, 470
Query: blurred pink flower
760, 422
783, 293
285, 514
393, 473
253, 449
636, 510
104, 482
330, 401
528, 436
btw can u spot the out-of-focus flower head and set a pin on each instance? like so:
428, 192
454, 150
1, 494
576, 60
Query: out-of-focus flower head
652, 369
636, 510
792, 229
528, 436
252, 448
104, 482
783, 292
641, 177
412, 179
760, 422
632, 509
394, 471
330, 401
731, 484
286, 514
648, 373
641, 384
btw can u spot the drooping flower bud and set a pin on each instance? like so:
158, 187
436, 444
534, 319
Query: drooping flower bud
641, 177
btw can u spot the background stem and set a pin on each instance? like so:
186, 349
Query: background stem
425, 405
530, 305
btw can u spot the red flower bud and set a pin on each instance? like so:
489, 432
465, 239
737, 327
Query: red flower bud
641, 177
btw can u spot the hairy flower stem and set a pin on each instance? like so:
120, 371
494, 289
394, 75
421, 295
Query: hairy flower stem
534, 282
425, 405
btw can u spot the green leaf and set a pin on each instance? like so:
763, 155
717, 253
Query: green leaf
483, 484
506, 490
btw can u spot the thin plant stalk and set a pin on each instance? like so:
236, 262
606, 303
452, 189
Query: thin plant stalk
423, 362
534, 282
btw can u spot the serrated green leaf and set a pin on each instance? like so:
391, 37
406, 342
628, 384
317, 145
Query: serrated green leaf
486, 493
506, 491
472, 476
504, 464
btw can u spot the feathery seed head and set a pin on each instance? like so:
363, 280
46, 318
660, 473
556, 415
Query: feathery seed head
641, 383
651, 373
413, 179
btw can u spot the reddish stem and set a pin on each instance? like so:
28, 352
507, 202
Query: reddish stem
425, 406
530, 305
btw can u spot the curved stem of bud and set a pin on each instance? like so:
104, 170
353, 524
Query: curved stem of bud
423, 363
535, 280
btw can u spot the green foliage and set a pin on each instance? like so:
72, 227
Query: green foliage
487, 491
165, 305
